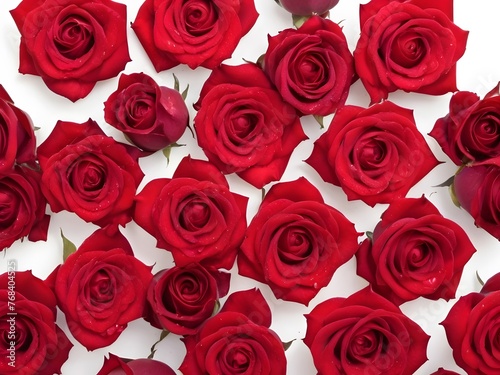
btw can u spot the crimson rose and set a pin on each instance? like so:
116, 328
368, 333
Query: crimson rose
414, 251
411, 45
194, 215
30, 341
375, 154
311, 67
151, 116
236, 341
244, 126
142, 366
195, 32
364, 334
442, 371
296, 242
72, 44
308, 7
100, 288
88, 173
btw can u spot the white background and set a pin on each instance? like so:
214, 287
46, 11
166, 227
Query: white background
478, 71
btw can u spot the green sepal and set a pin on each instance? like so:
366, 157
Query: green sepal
68, 247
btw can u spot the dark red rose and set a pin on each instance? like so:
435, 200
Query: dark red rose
414, 252
151, 116
472, 329
88, 173
142, 366
471, 129
296, 242
442, 371
194, 215
308, 7
236, 341
22, 207
477, 190
375, 154
412, 45
30, 341
180, 299
18, 136
311, 67
196, 33
364, 334
100, 288
72, 44
244, 126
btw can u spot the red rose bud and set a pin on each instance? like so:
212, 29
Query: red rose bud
308, 7
142, 366
151, 116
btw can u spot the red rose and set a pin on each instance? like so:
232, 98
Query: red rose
180, 299
364, 334
375, 154
142, 366
88, 173
23, 207
195, 32
72, 44
309, 7
194, 215
31, 344
236, 341
18, 136
442, 371
411, 45
414, 252
100, 288
472, 329
311, 67
151, 116
471, 129
244, 126
296, 242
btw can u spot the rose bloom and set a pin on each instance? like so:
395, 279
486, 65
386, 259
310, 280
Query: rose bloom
311, 66
364, 334
442, 371
88, 173
296, 242
414, 252
151, 116
410, 45
237, 340
193, 215
244, 126
375, 154
100, 288
195, 32
30, 339
471, 129
180, 299
308, 7
18, 135
472, 329
72, 44
118, 366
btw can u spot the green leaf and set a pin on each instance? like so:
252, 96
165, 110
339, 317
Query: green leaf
319, 120
448, 182
166, 151
184, 94
163, 334
479, 279
369, 235
68, 247
299, 20
176, 83
286, 345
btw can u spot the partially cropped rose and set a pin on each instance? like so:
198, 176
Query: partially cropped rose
442, 371
477, 190
375, 154
308, 7
23, 207
244, 126
72, 44
88, 173
236, 341
364, 334
196, 32
471, 129
472, 329
409, 45
100, 288
18, 136
142, 366
194, 215
31, 343
180, 299
296, 242
311, 66
151, 116
414, 252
